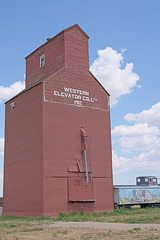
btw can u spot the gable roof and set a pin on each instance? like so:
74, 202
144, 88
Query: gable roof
62, 32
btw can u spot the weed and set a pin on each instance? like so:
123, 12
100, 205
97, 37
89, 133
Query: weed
152, 237
82, 213
62, 214
136, 229
42, 218
3, 225
87, 236
153, 229
74, 213
95, 214
6, 225
102, 234
32, 230
15, 238
14, 225
64, 232
9, 232
60, 232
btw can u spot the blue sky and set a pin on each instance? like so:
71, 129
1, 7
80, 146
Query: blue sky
124, 49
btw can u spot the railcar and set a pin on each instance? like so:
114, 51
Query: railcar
145, 193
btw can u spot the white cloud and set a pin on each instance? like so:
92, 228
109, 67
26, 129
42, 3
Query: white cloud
141, 136
120, 164
152, 155
151, 115
108, 70
149, 159
1, 147
139, 129
140, 143
141, 139
12, 90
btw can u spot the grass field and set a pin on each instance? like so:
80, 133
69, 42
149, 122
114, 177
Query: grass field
43, 227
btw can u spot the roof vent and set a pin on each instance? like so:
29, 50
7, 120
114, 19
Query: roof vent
48, 39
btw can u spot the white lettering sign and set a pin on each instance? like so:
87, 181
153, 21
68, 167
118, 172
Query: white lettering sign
77, 95
71, 90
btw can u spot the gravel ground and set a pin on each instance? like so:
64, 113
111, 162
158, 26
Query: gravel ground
106, 226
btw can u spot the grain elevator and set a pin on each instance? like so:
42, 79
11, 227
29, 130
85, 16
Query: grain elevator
57, 134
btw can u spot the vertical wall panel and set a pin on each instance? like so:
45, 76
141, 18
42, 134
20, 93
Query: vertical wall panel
23, 182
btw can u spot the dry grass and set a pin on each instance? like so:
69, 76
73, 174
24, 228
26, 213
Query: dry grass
12, 228
21, 233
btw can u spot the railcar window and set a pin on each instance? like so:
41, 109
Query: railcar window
138, 180
146, 179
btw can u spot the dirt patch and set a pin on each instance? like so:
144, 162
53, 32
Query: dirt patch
77, 231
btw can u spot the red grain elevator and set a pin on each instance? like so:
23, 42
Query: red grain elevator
57, 134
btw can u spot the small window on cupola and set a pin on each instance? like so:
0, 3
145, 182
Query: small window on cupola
42, 60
